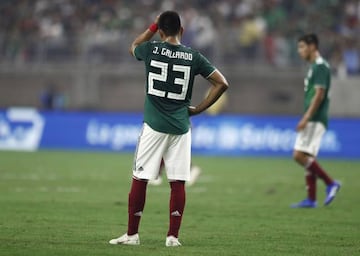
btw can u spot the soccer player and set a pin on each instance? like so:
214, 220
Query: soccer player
314, 122
170, 71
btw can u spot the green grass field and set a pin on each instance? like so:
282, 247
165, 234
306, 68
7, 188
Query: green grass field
72, 203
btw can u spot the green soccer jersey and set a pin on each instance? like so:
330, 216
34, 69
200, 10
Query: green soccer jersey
170, 72
319, 74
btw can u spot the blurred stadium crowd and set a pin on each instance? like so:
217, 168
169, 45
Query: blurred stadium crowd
227, 31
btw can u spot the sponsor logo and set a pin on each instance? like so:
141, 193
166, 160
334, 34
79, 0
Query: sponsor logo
20, 129
115, 136
176, 214
252, 137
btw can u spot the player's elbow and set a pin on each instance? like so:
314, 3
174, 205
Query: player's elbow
222, 82
131, 49
221, 86
224, 85
319, 99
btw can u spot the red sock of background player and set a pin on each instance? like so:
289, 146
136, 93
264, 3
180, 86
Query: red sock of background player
315, 168
177, 205
310, 179
136, 205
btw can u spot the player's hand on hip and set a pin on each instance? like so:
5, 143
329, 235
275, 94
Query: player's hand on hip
301, 125
192, 111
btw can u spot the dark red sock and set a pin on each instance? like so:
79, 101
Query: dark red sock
177, 205
136, 205
316, 169
311, 185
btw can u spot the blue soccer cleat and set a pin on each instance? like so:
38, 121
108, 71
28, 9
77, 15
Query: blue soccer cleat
306, 203
331, 191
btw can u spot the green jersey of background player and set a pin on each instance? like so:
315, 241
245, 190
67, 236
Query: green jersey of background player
319, 75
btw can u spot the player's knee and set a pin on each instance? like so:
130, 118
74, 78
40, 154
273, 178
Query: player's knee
298, 156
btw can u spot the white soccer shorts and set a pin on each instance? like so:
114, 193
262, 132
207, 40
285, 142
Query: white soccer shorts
154, 146
309, 139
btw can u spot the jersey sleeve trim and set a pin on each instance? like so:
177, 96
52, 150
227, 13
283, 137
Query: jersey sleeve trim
320, 85
211, 73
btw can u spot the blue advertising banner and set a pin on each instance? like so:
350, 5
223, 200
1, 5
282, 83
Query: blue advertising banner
268, 136
227, 135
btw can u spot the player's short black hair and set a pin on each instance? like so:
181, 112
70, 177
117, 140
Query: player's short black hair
310, 39
170, 23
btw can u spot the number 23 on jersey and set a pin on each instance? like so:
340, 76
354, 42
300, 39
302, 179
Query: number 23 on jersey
163, 76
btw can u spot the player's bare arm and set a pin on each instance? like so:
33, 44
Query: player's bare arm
145, 36
219, 86
314, 106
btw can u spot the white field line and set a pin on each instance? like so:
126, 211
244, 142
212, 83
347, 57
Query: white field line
49, 189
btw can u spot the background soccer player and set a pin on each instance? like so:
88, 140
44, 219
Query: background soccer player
314, 122
170, 72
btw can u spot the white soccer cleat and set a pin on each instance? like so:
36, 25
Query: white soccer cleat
127, 240
194, 175
172, 241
